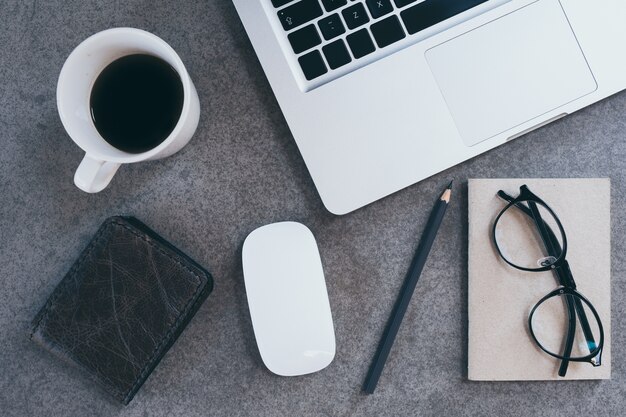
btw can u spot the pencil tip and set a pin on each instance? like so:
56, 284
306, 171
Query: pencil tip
446, 193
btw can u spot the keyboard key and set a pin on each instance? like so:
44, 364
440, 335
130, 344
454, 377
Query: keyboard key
336, 54
387, 31
305, 38
279, 3
360, 43
299, 13
431, 12
355, 16
331, 26
331, 5
379, 8
402, 3
312, 65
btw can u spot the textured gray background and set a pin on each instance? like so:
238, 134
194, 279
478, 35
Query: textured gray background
242, 170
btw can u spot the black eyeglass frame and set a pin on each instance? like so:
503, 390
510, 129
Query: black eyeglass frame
561, 269
527, 195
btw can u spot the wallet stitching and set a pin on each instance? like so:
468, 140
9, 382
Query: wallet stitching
159, 248
187, 304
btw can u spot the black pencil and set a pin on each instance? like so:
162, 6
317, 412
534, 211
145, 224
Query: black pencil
426, 242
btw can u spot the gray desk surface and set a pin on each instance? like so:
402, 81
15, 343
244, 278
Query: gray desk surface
243, 170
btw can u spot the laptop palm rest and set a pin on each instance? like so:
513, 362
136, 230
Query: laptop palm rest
510, 71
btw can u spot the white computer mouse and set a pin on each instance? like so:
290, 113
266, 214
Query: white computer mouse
288, 300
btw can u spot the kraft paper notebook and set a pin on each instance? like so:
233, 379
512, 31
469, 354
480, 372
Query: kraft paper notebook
501, 297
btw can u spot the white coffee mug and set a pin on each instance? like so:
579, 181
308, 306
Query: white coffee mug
77, 78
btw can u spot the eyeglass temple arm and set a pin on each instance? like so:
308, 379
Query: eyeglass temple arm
569, 339
584, 322
564, 275
551, 244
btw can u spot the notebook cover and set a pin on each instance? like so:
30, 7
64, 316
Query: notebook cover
122, 305
500, 297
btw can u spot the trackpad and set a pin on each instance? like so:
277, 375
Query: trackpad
510, 71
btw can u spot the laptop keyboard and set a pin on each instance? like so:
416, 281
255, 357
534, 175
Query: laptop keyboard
329, 34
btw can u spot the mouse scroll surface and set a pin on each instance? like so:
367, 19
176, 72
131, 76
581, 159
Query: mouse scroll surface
511, 70
288, 300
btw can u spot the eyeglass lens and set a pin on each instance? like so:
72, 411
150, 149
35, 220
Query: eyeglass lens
519, 237
550, 324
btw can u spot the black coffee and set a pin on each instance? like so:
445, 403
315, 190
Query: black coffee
136, 102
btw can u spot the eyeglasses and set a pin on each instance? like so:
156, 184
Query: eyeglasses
529, 236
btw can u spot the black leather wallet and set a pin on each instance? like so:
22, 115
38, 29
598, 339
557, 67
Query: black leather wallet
122, 305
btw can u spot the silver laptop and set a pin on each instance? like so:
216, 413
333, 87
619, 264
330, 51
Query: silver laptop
380, 94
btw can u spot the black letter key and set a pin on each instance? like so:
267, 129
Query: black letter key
331, 5
336, 54
387, 31
279, 3
355, 16
379, 8
360, 43
312, 65
331, 26
299, 13
305, 38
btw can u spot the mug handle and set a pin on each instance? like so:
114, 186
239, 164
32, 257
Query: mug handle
93, 175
